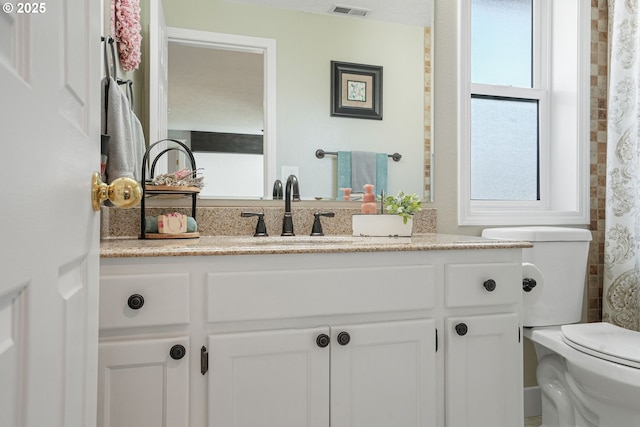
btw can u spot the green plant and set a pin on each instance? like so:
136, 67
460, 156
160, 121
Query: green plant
402, 204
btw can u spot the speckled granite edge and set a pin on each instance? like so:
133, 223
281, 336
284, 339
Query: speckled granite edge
236, 245
226, 221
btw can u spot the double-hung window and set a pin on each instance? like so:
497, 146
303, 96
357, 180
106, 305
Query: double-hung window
524, 112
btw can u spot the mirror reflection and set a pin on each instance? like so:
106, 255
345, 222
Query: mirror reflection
306, 44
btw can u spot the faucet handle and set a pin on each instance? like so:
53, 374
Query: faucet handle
316, 230
261, 228
277, 190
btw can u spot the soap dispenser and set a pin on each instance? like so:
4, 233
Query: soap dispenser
368, 200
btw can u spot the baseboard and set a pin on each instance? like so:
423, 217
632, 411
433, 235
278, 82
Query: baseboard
532, 402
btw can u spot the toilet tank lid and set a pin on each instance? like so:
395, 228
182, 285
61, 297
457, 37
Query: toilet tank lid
539, 234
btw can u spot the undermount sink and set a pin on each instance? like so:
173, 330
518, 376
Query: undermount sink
316, 240
293, 240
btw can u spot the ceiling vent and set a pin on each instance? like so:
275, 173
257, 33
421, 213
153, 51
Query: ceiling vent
348, 10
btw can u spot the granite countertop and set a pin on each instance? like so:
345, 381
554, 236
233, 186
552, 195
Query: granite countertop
242, 245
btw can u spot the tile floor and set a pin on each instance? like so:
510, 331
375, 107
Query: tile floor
532, 421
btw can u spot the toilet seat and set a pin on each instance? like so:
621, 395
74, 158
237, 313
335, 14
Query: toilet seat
605, 341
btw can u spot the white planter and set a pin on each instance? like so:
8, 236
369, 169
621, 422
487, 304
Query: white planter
381, 225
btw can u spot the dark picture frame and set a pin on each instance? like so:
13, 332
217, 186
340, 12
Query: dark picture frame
356, 90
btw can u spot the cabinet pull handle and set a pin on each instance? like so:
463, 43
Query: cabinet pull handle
322, 340
177, 352
135, 302
528, 284
462, 329
204, 360
344, 338
489, 285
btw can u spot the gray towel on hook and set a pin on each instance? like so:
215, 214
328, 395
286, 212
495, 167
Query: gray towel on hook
363, 170
116, 122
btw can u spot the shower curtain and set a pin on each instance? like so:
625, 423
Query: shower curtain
622, 221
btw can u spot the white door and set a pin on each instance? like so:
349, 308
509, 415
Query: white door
483, 372
50, 131
269, 379
383, 374
144, 383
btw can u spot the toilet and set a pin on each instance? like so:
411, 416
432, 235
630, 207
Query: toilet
588, 373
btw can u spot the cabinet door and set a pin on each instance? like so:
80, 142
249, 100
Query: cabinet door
269, 379
384, 375
143, 383
483, 377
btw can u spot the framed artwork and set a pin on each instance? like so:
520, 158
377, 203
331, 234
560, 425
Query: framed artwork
356, 90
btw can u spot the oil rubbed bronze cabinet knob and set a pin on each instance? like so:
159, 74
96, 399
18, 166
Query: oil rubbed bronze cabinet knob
344, 338
177, 352
490, 285
135, 302
462, 329
322, 340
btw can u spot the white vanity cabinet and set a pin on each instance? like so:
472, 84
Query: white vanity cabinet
483, 353
144, 381
324, 339
363, 375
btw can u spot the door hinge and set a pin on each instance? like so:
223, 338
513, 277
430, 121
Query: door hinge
436, 340
519, 331
204, 360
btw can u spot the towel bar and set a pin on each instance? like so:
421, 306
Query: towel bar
320, 153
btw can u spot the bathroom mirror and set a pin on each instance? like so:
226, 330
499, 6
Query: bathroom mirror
305, 45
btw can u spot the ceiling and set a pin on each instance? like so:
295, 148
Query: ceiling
409, 12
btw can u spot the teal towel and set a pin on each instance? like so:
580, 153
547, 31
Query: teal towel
344, 172
382, 161
151, 224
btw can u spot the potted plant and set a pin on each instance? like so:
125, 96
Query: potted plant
398, 220
404, 205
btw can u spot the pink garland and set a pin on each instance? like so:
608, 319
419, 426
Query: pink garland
125, 27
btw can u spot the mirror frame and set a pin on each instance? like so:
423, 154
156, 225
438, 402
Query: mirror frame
267, 47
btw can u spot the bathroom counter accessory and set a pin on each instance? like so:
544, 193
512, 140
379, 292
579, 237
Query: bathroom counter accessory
156, 190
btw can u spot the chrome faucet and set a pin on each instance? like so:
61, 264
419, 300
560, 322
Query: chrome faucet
287, 222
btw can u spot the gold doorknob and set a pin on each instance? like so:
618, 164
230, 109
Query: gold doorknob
123, 192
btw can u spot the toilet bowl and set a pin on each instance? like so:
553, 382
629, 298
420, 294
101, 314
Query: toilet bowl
585, 382
588, 373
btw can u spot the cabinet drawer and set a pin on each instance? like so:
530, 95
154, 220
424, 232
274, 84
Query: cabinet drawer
165, 300
469, 285
318, 292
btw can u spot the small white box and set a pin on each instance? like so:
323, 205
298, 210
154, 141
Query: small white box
381, 225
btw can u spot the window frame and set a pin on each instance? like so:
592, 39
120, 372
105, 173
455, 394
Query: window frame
564, 203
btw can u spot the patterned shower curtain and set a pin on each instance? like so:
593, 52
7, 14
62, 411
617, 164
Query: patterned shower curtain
621, 293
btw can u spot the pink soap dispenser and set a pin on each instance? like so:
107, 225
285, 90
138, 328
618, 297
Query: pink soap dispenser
368, 200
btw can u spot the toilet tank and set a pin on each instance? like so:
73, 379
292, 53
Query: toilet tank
560, 253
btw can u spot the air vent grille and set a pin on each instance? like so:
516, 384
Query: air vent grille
348, 10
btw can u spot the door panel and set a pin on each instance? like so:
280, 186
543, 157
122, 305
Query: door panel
144, 369
384, 376
483, 374
12, 352
270, 378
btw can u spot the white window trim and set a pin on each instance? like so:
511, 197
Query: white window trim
565, 124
